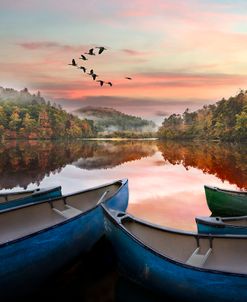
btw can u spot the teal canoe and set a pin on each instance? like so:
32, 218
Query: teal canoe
22, 198
222, 225
226, 203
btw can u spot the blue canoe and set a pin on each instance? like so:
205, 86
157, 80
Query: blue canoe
22, 198
222, 225
183, 265
39, 239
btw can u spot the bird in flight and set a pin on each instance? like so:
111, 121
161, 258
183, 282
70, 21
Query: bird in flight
73, 63
101, 82
94, 76
91, 72
90, 52
83, 58
83, 68
109, 83
128, 78
101, 49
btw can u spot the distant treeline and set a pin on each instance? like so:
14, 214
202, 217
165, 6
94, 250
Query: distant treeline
109, 121
29, 116
225, 120
128, 134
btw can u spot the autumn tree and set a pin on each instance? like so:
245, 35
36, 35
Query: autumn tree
15, 121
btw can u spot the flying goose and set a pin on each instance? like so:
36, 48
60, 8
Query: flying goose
73, 63
83, 68
90, 52
94, 75
109, 83
128, 78
101, 49
83, 58
101, 82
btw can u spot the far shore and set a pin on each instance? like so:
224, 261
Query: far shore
119, 139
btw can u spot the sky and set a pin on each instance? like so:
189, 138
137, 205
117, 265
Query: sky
180, 54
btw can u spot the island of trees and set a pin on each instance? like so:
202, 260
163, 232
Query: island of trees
225, 120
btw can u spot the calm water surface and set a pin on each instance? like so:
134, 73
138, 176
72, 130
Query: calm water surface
166, 179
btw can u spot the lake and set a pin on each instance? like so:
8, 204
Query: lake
166, 182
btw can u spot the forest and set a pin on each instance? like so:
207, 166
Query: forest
111, 122
226, 120
23, 115
29, 116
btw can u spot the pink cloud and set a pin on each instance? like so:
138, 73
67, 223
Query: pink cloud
51, 45
133, 52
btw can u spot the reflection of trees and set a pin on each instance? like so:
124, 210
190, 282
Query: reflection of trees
108, 154
225, 160
25, 162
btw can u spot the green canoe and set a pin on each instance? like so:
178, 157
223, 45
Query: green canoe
225, 202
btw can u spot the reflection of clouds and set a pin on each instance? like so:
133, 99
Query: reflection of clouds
164, 194
94, 163
170, 195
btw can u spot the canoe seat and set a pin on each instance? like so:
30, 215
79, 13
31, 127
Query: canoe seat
68, 212
197, 259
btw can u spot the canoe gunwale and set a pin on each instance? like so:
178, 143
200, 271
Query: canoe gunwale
123, 183
48, 190
221, 224
241, 193
33, 194
118, 223
217, 225
17, 192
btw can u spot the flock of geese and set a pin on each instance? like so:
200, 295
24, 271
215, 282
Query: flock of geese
91, 72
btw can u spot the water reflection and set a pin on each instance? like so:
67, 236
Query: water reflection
227, 161
22, 163
25, 162
109, 154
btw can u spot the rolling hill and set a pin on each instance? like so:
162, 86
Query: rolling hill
109, 120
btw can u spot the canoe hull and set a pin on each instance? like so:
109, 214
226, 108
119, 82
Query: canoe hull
210, 229
168, 277
32, 260
225, 204
42, 195
216, 225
